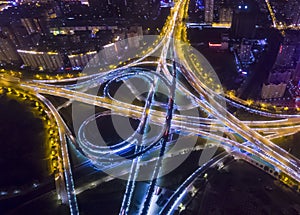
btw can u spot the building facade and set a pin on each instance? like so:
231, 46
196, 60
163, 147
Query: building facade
243, 22
8, 52
209, 11
225, 15
51, 61
245, 51
273, 90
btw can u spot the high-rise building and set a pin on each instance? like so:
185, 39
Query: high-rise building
244, 21
110, 51
209, 11
18, 34
280, 75
51, 61
287, 55
35, 25
137, 9
8, 51
64, 7
273, 90
225, 15
285, 69
81, 59
244, 52
288, 10
109, 8
142, 9
134, 36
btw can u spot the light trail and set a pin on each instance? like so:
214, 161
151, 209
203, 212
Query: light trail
204, 96
272, 14
102, 105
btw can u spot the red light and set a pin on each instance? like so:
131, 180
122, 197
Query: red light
280, 50
214, 44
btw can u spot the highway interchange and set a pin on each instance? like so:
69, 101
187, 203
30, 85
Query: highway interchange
172, 57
